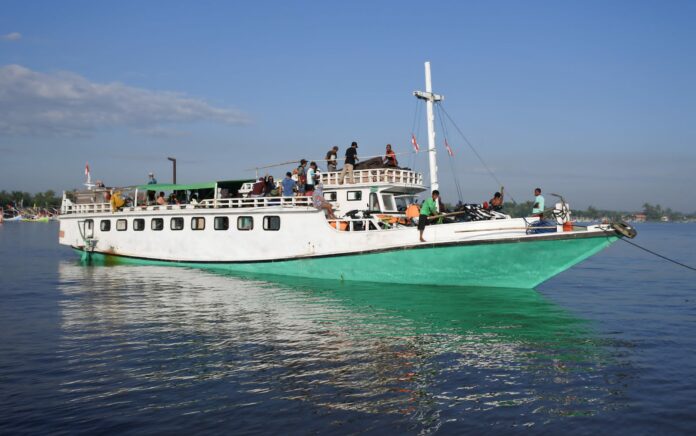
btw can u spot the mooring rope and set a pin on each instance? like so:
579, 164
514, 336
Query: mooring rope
658, 255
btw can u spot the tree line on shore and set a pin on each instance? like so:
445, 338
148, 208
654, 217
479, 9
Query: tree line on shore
651, 212
19, 199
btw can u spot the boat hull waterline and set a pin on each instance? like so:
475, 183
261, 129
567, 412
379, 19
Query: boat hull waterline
517, 263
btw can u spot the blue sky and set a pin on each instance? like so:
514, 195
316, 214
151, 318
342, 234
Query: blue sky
595, 100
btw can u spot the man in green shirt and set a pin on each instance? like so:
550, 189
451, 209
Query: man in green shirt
428, 208
538, 208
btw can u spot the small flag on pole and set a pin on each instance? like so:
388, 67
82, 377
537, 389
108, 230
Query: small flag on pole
449, 150
415, 143
87, 169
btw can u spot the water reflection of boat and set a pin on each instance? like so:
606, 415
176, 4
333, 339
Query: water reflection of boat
372, 348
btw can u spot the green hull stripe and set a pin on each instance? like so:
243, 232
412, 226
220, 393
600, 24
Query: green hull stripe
512, 265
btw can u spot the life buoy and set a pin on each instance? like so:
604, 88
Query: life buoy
624, 229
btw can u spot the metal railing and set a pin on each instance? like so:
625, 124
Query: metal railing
86, 208
256, 202
377, 175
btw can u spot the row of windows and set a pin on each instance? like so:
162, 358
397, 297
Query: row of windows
350, 196
197, 223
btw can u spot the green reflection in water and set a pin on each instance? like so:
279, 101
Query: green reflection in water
522, 318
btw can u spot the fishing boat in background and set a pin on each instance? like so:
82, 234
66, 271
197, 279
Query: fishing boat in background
367, 241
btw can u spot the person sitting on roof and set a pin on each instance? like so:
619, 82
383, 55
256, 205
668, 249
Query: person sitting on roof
160, 199
389, 159
496, 202
320, 202
258, 189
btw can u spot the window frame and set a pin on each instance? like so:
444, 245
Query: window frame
108, 225
197, 220
177, 219
267, 220
224, 219
239, 218
152, 224
125, 225
358, 195
141, 222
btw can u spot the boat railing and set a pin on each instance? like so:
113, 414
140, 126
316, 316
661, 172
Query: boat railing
376, 175
256, 202
250, 202
85, 208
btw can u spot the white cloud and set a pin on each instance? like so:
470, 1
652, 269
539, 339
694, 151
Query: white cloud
67, 104
14, 36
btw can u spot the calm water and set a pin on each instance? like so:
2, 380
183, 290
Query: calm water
607, 347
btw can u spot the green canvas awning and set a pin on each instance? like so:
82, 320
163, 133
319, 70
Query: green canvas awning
177, 187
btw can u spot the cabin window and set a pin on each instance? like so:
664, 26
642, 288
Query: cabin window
354, 195
157, 224
121, 225
271, 223
197, 223
245, 223
330, 196
138, 224
388, 201
374, 203
176, 224
222, 223
105, 225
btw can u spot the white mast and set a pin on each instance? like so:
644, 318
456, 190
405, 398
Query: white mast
429, 98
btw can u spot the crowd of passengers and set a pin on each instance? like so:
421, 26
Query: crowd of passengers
303, 180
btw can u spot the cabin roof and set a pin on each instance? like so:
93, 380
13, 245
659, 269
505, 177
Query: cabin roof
190, 186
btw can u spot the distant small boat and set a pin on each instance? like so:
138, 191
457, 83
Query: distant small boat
43, 219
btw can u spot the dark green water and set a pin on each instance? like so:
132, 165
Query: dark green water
604, 348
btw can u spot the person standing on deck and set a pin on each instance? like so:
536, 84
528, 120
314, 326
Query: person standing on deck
151, 194
351, 159
332, 158
289, 185
538, 208
311, 175
302, 176
428, 208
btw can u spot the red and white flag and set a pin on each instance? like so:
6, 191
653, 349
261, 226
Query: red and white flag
87, 169
449, 150
415, 143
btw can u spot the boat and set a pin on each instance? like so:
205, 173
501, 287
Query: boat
369, 240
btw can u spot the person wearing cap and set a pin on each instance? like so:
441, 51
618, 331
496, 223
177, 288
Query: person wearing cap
151, 194
351, 159
331, 158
